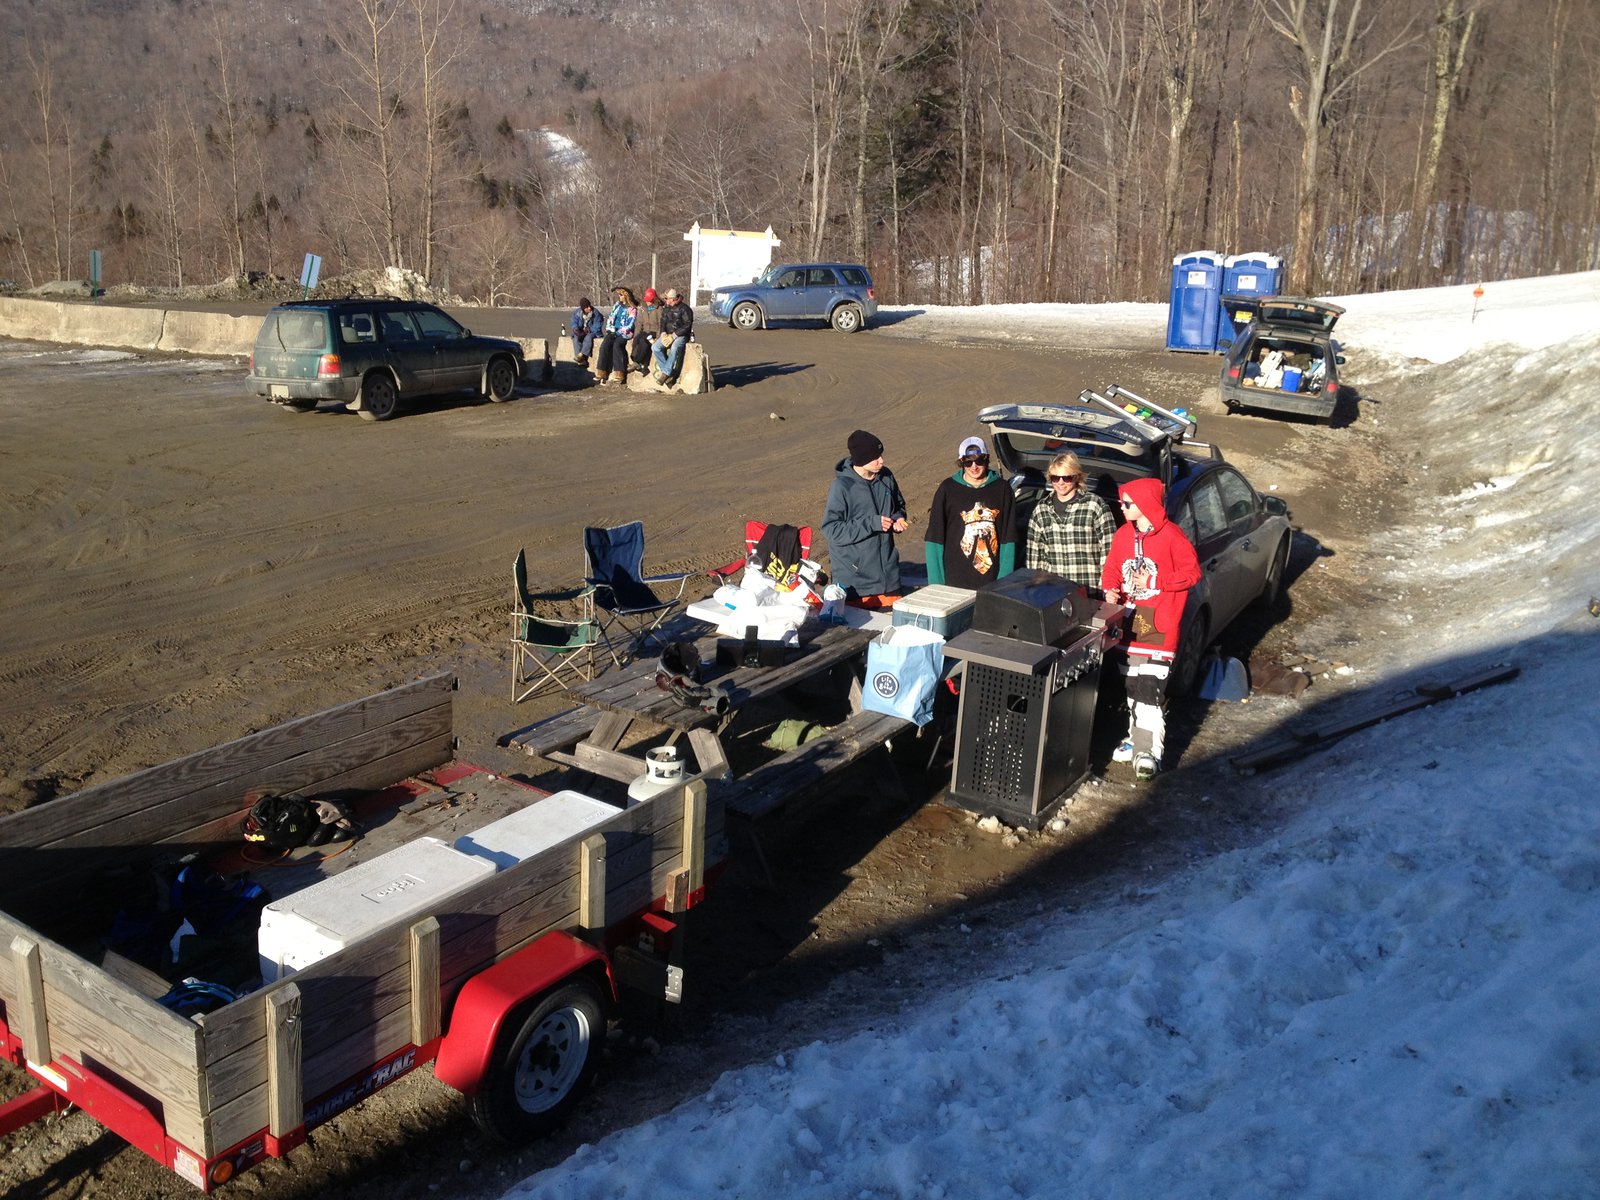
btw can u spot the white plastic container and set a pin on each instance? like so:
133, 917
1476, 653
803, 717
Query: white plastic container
544, 823
944, 610
326, 917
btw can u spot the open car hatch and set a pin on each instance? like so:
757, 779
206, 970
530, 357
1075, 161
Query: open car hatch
1116, 429
1316, 315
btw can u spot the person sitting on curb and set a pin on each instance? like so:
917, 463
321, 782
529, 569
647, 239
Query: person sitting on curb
611, 365
865, 510
972, 532
585, 327
1070, 529
1150, 569
646, 330
677, 325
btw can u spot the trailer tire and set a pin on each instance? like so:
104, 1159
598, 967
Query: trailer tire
542, 1064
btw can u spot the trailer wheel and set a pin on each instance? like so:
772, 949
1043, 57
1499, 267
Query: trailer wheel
542, 1065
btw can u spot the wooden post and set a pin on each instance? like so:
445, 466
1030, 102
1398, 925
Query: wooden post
425, 1013
690, 877
285, 1104
592, 883
29, 1017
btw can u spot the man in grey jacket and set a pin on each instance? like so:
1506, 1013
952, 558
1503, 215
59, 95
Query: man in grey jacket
865, 510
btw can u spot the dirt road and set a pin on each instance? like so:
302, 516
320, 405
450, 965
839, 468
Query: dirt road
183, 563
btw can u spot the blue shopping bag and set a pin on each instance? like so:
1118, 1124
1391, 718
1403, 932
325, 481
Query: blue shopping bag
903, 667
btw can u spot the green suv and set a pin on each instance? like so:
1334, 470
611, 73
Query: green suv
368, 354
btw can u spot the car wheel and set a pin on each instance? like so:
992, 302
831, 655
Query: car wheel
745, 316
542, 1065
1186, 669
1272, 585
379, 399
501, 379
847, 318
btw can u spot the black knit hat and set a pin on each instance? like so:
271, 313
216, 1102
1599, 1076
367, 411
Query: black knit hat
864, 447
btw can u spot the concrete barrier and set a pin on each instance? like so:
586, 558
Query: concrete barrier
536, 366
125, 327
208, 333
694, 376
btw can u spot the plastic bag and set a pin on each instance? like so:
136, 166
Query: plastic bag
903, 667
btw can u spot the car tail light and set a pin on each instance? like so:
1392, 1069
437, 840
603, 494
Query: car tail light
252, 363
1233, 372
1331, 386
872, 293
328, 364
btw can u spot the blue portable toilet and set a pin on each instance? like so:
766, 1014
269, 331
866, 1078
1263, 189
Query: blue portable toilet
1245, 278
1194, 309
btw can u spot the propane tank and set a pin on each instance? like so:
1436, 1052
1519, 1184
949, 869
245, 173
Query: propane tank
663, 771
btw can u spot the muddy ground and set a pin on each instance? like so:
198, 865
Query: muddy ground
183, 564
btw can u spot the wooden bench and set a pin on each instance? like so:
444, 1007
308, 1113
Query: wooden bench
767, 789
560, 732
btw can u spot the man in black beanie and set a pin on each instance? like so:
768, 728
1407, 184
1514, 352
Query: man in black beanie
865, 510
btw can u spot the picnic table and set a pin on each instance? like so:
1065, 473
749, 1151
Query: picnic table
590, 737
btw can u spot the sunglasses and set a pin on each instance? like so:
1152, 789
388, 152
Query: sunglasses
1062, 478
975, 460
1127, 504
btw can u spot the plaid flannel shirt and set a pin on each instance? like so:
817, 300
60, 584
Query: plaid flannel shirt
1071, 539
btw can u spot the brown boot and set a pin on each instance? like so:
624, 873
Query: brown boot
617, 377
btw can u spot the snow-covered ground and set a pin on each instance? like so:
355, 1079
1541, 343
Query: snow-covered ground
1398, 995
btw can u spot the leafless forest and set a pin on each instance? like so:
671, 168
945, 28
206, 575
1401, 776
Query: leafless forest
528, 150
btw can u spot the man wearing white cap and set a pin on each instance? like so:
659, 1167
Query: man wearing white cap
972, 536
677, 323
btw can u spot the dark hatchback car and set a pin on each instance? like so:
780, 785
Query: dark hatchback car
1240, 536
370, 354
838, 293
1285, 360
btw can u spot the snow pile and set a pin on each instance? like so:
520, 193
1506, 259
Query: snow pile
1395, 996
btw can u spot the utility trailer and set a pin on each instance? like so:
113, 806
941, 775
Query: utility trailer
506, 985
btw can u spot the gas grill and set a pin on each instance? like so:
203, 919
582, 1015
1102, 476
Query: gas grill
1030, 681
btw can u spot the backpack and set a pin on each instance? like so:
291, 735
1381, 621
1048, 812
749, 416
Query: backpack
282, 822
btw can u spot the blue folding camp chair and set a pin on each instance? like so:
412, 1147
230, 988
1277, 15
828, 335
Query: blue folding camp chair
546, 650
613, 564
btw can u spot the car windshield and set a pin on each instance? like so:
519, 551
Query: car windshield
769, 274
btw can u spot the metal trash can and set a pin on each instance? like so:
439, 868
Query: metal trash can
1031, 668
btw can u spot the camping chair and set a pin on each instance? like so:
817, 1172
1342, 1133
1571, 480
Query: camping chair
753, 533
613, 561
546, 650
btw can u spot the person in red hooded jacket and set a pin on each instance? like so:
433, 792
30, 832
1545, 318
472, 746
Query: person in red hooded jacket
1150, 568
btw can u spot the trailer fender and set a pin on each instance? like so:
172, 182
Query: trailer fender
488, 998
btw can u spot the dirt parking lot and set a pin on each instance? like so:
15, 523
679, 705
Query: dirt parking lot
184, 564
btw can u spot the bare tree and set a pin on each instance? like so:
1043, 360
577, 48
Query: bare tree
1333, 53
228, 140
373, 109
438, 48
164, 174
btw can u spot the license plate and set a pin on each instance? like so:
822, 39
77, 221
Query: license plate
280, 391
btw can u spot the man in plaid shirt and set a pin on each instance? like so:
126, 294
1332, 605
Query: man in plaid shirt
1070, 530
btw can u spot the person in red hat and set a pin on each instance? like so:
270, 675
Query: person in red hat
646, 329
1150, 568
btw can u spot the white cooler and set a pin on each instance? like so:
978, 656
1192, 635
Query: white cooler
326, 917
536, 828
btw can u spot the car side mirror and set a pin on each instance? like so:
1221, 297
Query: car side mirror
1338, 360
1275, 505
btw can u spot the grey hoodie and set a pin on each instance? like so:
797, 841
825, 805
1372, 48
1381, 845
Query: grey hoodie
862, 554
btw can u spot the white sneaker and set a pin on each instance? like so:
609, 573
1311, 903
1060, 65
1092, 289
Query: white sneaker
1146, 766
1123, 753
